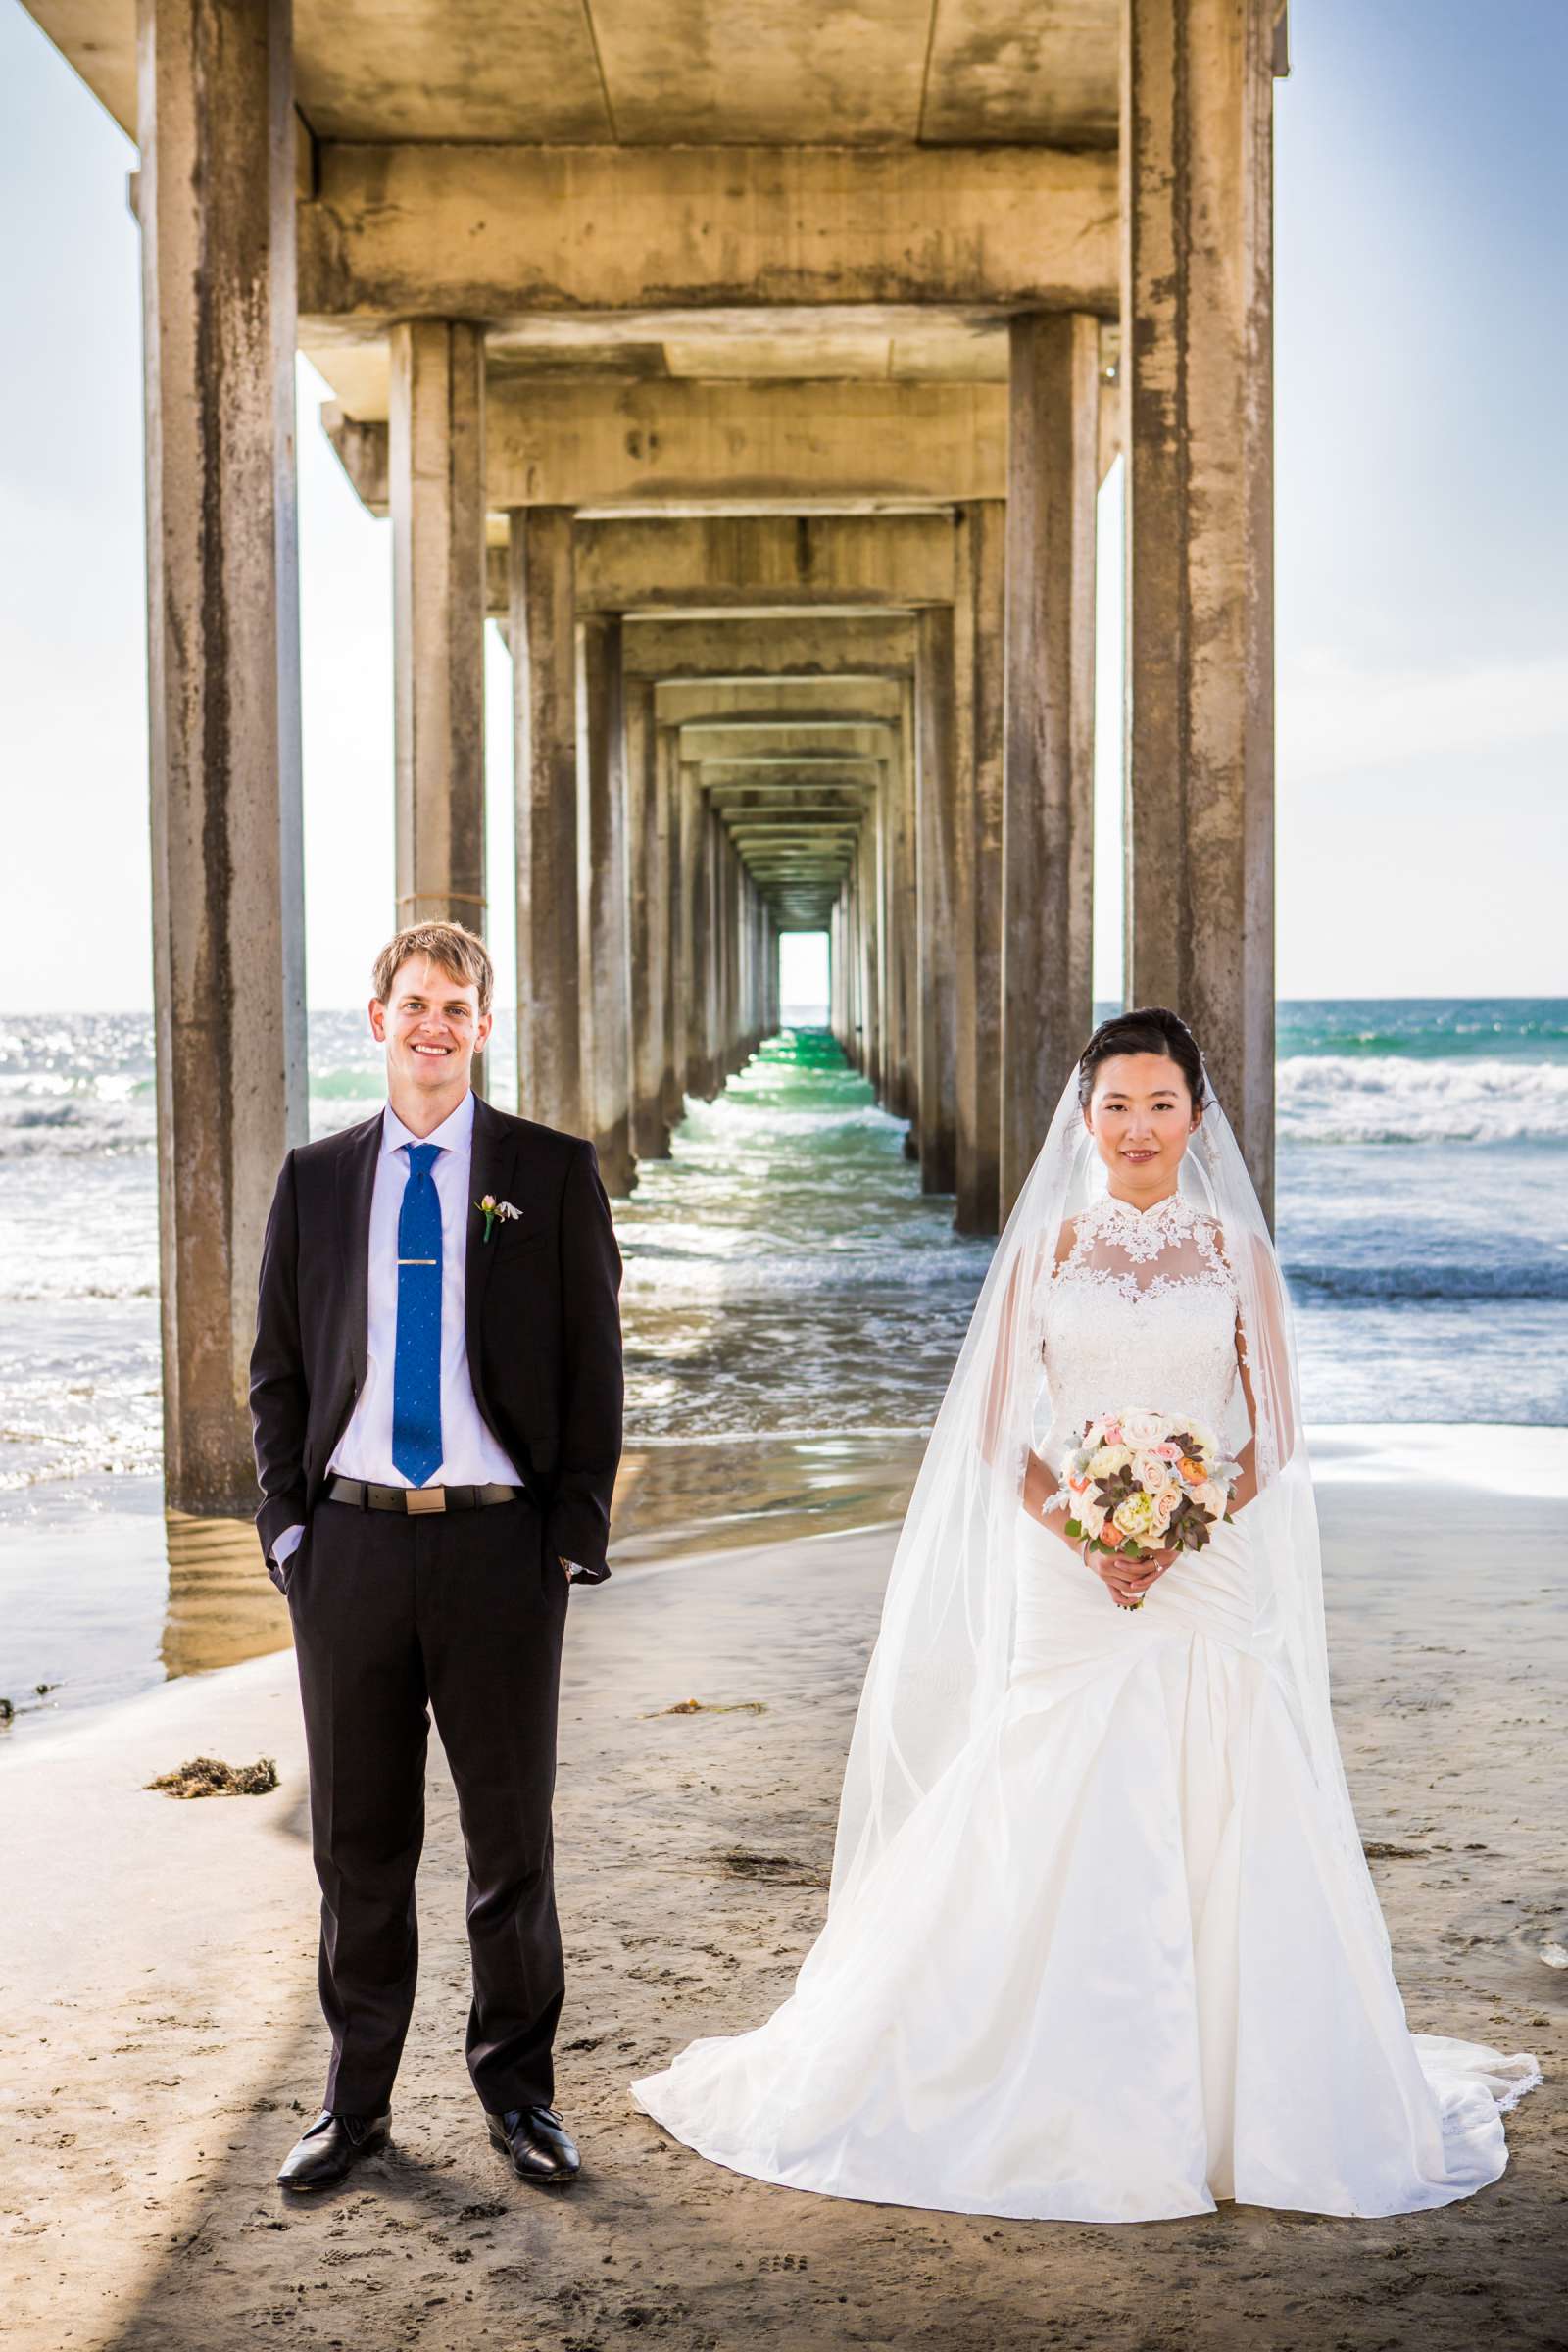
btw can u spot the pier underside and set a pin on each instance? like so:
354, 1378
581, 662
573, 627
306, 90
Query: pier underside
754, 365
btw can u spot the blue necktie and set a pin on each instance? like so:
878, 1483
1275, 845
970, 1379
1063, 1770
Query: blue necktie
417, 1448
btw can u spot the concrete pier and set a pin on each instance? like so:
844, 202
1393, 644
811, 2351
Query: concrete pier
543, 634
1197, 277
1048, 821
979, 659
216, 202
603, 911
766, 410
436, 486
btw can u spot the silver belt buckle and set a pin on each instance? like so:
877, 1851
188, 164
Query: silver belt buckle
425, 1498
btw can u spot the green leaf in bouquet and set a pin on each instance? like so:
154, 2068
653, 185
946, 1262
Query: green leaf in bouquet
1074, 1529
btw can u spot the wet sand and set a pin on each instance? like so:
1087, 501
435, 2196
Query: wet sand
159, 2042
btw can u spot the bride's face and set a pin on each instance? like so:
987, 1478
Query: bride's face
1140, 1116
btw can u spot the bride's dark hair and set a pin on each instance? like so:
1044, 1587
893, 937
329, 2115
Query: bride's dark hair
1151, 1029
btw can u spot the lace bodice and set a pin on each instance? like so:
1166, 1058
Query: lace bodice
1140, 1310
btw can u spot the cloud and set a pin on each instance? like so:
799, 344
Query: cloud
1337, 719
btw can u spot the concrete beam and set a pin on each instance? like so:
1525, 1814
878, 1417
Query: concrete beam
573, 442
499, 232
765, 563
664, 443
839, 701
1197, 153
784, 744
787, 649
217, 209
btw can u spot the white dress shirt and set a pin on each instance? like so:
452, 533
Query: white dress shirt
472, 1455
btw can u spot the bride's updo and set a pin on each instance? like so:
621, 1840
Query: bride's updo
1151, 1029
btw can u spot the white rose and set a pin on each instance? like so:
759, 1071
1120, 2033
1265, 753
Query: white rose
1142, 1427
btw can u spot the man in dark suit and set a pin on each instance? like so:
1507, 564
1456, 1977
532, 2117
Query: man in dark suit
436, 1399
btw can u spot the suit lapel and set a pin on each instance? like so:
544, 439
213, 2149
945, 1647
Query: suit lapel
355, 1186
490, 1169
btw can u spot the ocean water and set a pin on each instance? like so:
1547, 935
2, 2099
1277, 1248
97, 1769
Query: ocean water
791, 1302
784, 1272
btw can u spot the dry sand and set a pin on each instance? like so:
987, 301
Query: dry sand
161, 2042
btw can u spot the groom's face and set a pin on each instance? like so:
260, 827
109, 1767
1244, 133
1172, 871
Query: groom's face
430, 1025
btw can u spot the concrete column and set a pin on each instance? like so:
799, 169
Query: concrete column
936, 788
435, 487
979, 664
868, 911
215, 198
697, 929
1049, 787
769, 1011
717, 1064
648, 909
604, 964
906, 918
835, 1019
543, 629
1197, 284
666, 768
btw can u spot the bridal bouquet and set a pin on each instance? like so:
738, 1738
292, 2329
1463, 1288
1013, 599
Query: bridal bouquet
1139, 1481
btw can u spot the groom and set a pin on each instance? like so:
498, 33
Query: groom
436, 1399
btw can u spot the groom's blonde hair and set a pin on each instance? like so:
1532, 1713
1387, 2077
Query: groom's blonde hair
459, 953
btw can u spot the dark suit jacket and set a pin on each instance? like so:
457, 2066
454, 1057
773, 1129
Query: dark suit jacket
542, 1317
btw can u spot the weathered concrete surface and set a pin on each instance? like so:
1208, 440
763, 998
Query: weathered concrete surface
1197, 285
784, 645
603, 915
835, 702
436, 483
903, 930
647, 905
541, 633
937, 794
651, 76
583, 443
667, 787
1048, 841
222, 598
765, 562
577, 441
979, 665
494, 232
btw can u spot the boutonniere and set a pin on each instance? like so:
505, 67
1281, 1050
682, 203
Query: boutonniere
494, 1209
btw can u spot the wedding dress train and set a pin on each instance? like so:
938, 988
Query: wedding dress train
1114, 1965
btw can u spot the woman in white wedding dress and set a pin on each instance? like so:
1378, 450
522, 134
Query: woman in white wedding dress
1101, 1944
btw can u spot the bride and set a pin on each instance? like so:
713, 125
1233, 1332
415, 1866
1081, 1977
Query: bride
1101, 1943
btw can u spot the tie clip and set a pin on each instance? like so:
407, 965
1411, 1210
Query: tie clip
418, 1261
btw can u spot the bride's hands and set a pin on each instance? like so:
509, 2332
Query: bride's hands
1127, 1581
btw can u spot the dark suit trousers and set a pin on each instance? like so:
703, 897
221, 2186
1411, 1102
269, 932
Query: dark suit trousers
457, 1612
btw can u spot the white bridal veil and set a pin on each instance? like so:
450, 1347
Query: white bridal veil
943, 1652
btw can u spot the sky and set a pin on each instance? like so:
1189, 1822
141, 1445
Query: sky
1421, 512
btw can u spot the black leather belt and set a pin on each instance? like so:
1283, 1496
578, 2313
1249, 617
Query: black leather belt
417, 1500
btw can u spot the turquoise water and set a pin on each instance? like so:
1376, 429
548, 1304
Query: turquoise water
784, 1271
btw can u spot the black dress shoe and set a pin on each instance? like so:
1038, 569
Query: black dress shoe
541, 2150
330, 2146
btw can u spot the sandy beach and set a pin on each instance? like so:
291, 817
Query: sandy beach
161, 2042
